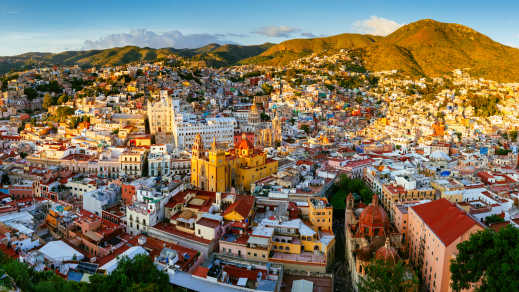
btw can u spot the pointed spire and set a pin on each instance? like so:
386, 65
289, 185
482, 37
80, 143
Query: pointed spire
213, 146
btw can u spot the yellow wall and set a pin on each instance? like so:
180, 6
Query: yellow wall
321, 218
286, 247
214, 173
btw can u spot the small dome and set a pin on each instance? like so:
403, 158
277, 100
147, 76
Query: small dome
373, 218
387, 253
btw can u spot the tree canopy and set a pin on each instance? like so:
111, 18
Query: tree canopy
386, 277
137, 274
490, 257
30, 92
346, 185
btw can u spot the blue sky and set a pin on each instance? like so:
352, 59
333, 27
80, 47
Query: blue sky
71, 25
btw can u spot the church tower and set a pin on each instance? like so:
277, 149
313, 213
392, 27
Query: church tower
276, 129
218, 171
198, 147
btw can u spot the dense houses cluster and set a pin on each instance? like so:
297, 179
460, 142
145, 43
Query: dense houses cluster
225, 177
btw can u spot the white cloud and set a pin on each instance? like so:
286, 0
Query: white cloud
376, 26
147, 38
281, 31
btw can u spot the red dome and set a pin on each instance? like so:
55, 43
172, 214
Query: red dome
245, 143
373, 219
387, 253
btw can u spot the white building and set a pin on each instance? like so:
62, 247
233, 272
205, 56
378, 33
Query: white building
186, 128
98, 200
80, 187
159, 161
148, 208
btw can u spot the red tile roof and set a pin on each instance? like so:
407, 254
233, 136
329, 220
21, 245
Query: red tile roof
242, 206
200, 272
446, 220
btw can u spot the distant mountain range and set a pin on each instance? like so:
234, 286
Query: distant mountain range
422, 48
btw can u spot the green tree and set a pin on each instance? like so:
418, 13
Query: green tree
137, 274
494, 219
63, 112
387, 277
5, 179
267, 88
48, 101
345, 186
490, 257
265, 117
62, 99
305, 128
30, 92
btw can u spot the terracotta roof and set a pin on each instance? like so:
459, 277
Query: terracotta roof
200, 272
446, 220
241, 206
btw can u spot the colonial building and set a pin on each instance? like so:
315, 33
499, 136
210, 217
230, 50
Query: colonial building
368, 236
216, 171
160, 116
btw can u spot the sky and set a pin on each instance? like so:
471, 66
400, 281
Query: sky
56, 25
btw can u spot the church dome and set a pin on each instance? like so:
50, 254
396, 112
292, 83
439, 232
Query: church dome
245, 143
373, 219
387, 253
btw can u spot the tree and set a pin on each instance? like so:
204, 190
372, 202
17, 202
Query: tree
30, 92
267, 88
494, 219
386, 277
137, 274
63, 112
48, 101
62, 99
5, 179
489, 259
346, 185
305, 128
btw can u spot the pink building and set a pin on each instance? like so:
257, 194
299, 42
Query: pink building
399, 216
434, 231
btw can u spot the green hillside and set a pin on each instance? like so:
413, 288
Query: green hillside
434, 48
290, 50
212, 54
422, 48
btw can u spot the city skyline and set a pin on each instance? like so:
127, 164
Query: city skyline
36, 27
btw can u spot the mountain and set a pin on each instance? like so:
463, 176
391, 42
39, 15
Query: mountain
432, 48
423, 48
212, 54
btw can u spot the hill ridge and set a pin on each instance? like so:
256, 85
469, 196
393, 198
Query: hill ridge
422, 48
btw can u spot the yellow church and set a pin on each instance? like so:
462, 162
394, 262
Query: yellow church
217, 171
